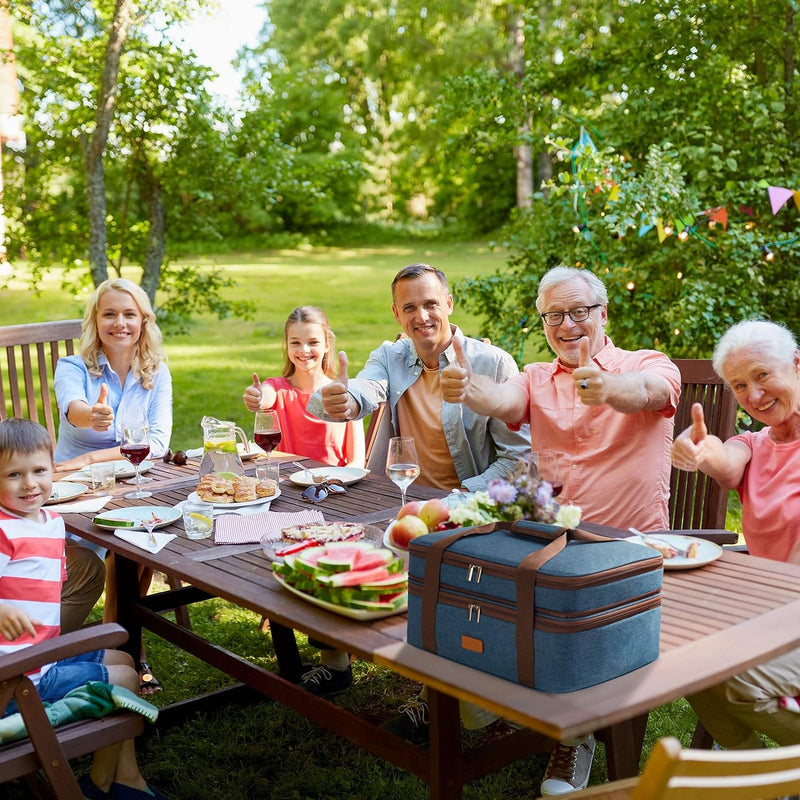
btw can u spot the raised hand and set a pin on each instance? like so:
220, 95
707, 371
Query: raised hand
689, 447
101, 415
455, 378
588, 377
336, 400
252, 394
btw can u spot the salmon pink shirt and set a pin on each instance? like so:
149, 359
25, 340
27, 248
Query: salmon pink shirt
615, 466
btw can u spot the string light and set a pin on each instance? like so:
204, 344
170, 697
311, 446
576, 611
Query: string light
668, 230
684, 234
577, 228
630, 286
677, 331
749, 225
768, 254
680, 276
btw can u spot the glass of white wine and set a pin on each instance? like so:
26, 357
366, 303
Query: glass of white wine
402, 464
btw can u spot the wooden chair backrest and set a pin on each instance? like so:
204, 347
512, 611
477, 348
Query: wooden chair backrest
696, 501
376, 439
674, 773
28, 365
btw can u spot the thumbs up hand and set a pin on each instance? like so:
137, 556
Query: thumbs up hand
456, 377
689, 448
101, 415
590, 383
252, 394
336, 400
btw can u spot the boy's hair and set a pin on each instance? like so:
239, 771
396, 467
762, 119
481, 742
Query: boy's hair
23, 436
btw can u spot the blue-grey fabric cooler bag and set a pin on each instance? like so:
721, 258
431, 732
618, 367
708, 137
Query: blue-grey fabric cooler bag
552, 609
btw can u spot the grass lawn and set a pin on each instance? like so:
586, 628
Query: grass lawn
266, 751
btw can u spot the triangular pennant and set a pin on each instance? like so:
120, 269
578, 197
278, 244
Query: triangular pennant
778, 197
682, 222
614, 193
797, 199
660, 231
584, 143
720, 215
645, 226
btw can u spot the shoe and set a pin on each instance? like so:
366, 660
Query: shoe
569, 768
411, 723
148, 684
119, 791
89, 789
324, 681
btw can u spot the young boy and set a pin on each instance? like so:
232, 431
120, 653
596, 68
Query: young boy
32, 569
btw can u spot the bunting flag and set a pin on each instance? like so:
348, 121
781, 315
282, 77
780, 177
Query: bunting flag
778, 197
614, 193
645, 226
584, 143
718, 214
660, 231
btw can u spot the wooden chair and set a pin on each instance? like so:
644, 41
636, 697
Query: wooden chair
672, 773
26, 382
696, 501
376, 439
50, 749
26, 372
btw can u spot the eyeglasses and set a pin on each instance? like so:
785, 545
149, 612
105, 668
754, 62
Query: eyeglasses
577, 314
319, 491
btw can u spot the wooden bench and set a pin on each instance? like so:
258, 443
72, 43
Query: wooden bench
50, 749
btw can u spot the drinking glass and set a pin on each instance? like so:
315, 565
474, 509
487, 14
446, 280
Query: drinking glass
267, 431
549, 469
136, 447
402, 464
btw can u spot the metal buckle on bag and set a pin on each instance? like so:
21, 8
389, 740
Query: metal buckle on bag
473, 608
474, 571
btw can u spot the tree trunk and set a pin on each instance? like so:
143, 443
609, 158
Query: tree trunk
156, 236
522, 151
94, 149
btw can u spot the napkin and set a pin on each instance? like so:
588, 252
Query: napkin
78, 506
267, 525
142, 539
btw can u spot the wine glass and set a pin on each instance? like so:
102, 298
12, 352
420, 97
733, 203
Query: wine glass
136, 447
549, 469
267, 431
402, 464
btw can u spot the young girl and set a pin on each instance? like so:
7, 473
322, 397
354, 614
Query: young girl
309, 343
310, 359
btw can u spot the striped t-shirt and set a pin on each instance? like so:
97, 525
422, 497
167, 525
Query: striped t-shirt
32, 570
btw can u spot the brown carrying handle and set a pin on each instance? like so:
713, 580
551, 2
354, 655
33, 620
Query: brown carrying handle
433, 564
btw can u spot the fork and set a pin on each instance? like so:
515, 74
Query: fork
682, 551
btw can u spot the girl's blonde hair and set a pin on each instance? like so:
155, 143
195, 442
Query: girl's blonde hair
314, 316
148, 352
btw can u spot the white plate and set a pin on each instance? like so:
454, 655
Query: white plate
354, 613
166, 514
257, 502
64, 490
706, 551
398, 551
346, 475
122, 469
253, 451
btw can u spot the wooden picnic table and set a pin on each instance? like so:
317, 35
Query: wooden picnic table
716, 621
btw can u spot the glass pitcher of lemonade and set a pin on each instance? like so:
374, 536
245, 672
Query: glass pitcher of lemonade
220, 453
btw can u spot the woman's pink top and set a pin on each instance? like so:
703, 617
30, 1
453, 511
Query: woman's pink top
770, 495
337, 443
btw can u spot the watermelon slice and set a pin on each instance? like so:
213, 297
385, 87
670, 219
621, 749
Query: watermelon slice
355, 577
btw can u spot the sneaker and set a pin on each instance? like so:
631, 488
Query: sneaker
89, 790
569, 768
411, 723
324, 681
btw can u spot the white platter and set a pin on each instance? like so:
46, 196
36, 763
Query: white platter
353, 613
372, 533
706, 551
166, 514
254, 451
64, 490
346, 475
122, 469
398, 551
259, 501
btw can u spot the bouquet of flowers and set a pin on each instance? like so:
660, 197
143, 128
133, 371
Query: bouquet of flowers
524, 496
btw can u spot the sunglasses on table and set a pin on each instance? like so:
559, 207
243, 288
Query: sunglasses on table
319, 491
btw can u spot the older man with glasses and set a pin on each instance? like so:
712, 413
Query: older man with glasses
607, 412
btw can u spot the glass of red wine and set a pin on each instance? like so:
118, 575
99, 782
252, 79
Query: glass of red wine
267, 431
136, 447
549, 469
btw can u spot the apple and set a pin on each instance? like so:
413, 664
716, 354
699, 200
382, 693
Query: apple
405, 529
413, 507
434, 512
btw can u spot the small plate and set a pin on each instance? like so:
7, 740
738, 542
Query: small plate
353, 613
346, 475
258, 501
166, 515
122, 469
706, 551
64, 490
254, 451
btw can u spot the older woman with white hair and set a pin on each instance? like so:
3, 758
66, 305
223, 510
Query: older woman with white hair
760, 361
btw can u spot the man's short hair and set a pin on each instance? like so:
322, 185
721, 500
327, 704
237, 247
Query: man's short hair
562, 274
19, 435
417, 271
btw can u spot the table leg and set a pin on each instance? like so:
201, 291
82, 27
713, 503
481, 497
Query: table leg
446, 780
290, 666
624, 747
128, 595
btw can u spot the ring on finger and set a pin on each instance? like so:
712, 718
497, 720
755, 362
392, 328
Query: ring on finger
584, 384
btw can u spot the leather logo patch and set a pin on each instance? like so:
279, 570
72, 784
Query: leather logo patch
472, 644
